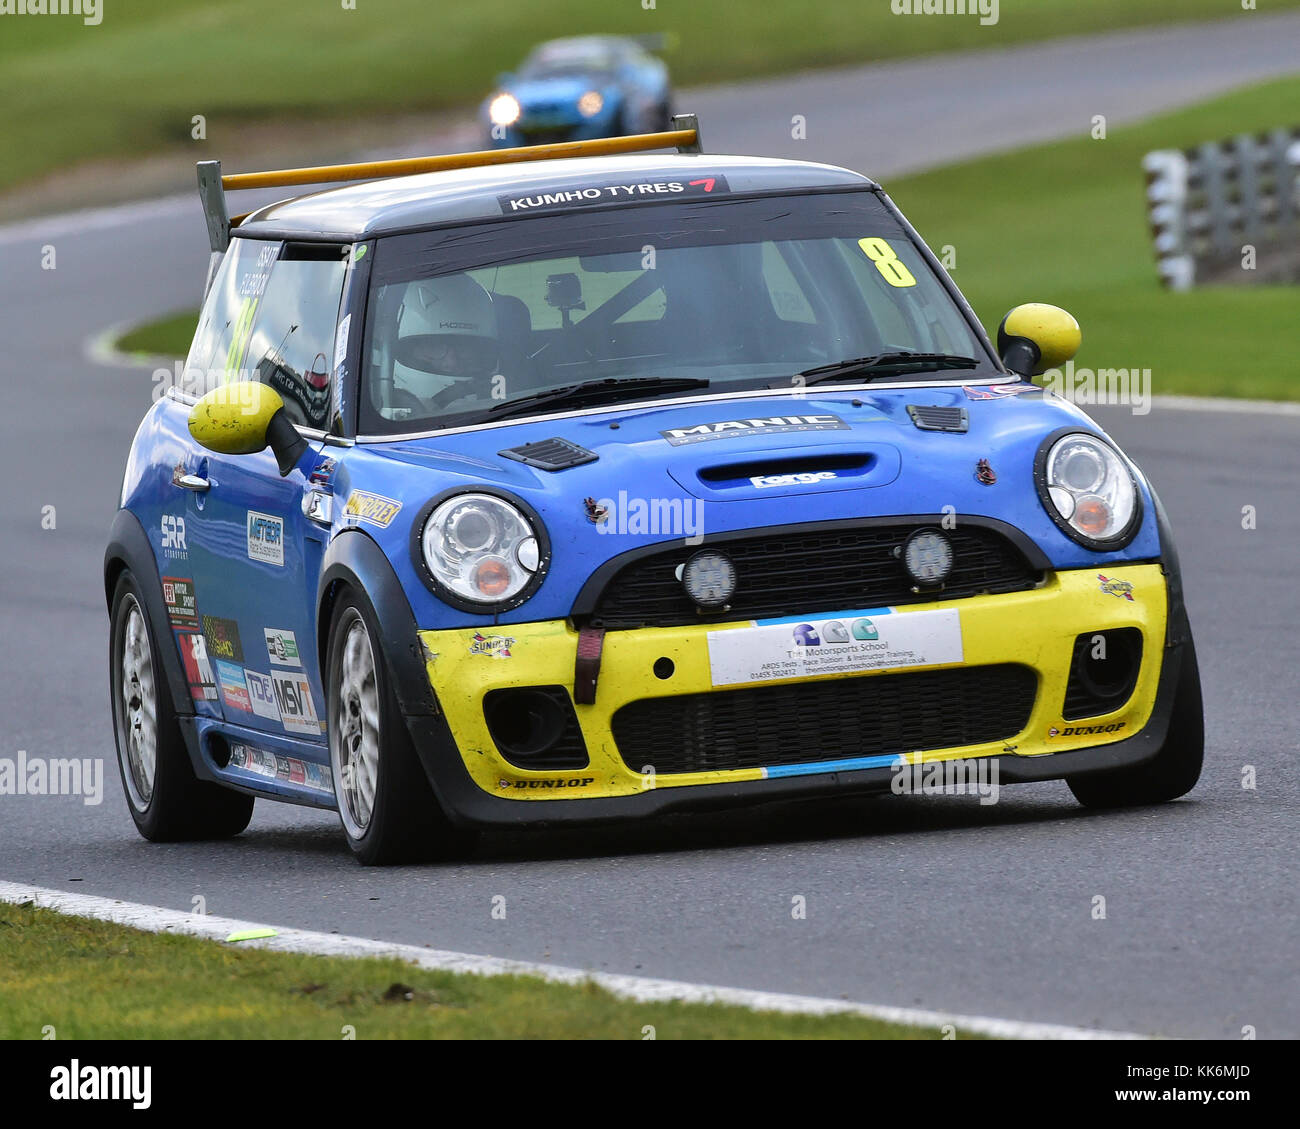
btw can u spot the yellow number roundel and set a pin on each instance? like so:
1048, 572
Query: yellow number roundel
893, 269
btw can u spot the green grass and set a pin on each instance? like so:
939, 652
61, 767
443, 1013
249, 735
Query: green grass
169, 336
132, 84
93, 980
1066, 223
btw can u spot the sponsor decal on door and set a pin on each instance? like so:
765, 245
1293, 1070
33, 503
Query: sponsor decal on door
282, 647
293, 696
178, 595
234, 690
266, 538
198, 670
261, 695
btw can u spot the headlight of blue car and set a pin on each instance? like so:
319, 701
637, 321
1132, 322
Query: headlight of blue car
482, 551
1088, 490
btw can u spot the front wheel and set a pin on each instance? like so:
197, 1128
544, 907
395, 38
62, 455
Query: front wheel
1174, 770
388, 811
168, 802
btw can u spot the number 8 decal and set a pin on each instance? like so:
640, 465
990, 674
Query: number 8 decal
895, 272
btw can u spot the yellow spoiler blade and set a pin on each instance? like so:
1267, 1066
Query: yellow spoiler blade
684, 137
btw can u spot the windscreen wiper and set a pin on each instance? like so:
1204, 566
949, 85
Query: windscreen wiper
594, 391
901, 359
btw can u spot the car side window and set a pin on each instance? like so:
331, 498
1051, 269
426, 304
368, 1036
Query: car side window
291, 344
217, 353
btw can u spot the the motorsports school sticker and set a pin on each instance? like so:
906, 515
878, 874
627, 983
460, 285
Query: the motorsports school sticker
849, 642
766, 425
614, 192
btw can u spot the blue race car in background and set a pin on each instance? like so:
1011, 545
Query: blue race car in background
579, 89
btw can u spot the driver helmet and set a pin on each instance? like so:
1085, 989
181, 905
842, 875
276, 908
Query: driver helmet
450, 331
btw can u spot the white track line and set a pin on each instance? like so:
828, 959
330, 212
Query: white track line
67, 224
100, 349
154, 919
1213, 404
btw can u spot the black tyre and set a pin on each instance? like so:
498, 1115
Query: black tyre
388, 811
1174, 770
166, 800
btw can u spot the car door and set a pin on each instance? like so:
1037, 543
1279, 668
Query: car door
254, 552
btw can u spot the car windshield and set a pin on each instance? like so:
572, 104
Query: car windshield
565, 60
593, 303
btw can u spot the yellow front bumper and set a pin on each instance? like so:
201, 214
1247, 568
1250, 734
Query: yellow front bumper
1036, 629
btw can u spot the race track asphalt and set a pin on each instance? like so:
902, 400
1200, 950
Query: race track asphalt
932, 902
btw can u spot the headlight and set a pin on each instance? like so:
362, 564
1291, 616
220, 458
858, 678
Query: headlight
504, 110
591, 103
1088, 490
482, 552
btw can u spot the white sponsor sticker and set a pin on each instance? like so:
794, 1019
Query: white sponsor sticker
261, 693
770, 425
341, 342
265, 538
803, 478
840, 645
173, 537
293, 696
282, 647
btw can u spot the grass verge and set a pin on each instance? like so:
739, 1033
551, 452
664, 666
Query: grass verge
95, 980
168, 336
1066, 223
135, 82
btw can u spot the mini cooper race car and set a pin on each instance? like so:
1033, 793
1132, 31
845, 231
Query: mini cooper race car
534, 486
579, 89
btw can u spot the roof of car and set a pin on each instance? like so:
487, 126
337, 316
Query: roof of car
582, 43
379, 207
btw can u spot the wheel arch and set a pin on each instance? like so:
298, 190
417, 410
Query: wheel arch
129, 549
355, 561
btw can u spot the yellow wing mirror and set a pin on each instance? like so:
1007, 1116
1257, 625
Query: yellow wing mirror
243, 418
1035, 337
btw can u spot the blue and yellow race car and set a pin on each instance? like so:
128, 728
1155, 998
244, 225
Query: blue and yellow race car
594, 488
581, 88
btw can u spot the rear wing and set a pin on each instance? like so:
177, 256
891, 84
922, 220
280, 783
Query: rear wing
213, 186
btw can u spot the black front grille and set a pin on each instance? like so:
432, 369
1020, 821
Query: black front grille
827, 569
877, 715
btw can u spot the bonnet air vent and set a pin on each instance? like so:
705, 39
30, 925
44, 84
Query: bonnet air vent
933, 417
550, 454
